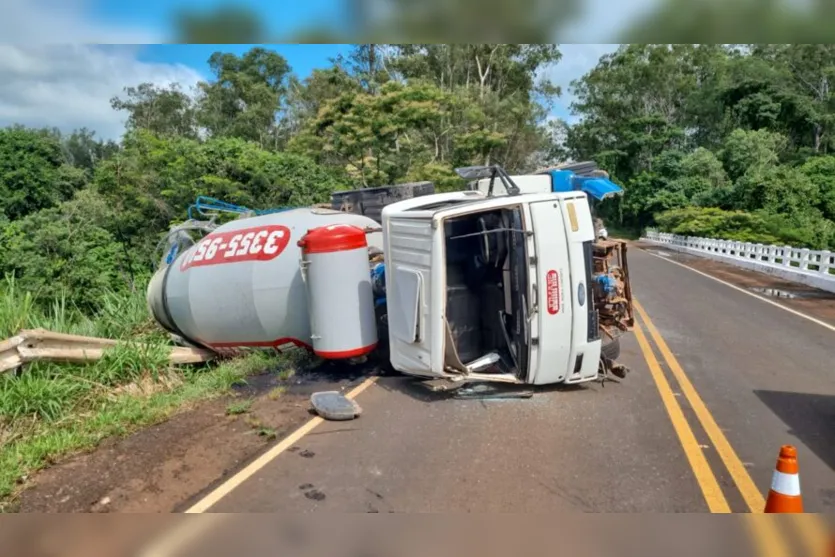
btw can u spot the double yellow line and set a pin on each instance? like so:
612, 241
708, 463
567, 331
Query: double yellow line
767, 536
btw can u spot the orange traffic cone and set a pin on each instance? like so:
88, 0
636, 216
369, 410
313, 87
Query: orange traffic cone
784, 495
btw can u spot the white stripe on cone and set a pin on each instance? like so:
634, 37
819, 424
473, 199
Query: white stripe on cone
786, 484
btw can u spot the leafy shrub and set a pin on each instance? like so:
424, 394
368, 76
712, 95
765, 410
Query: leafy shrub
804, 230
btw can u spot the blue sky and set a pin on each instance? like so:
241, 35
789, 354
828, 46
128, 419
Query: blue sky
302, 58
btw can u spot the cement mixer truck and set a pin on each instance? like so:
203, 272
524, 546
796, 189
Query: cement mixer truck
463, 286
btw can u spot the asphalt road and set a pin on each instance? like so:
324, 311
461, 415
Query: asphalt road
719, 381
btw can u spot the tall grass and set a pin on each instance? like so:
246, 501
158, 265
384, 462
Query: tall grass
118, 314
48, 410
16, 308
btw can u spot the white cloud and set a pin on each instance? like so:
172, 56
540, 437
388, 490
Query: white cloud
70, 86
65, 21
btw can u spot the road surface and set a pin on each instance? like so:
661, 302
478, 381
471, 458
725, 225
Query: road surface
720, 380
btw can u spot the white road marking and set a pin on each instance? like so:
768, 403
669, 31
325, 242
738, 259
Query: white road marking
735, 287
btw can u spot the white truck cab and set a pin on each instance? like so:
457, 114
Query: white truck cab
492, 287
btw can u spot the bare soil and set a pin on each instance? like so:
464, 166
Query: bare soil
164, 467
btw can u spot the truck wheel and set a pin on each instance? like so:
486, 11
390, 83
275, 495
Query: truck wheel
611, 349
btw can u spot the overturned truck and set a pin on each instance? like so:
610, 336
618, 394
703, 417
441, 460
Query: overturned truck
507, 281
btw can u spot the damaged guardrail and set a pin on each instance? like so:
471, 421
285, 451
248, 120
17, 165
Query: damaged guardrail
814, 268
41, 345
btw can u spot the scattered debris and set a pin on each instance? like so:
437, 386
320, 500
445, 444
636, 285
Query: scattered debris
333, 405
443, 385
490, 391
608, 367
39, 344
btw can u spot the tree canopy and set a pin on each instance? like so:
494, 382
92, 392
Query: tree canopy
745, 129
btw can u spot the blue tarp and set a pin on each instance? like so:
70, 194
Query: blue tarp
595, 186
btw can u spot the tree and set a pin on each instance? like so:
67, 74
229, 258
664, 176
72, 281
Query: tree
377, 139
809, 71
506, 69
161, 110
306, 97
84, 151
34, 173
637, 102
745, 151
246, 96
821, 172
416, 129
366, 64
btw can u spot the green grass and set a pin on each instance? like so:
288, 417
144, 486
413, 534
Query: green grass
49, 411
59, 421
267, 433
239, 407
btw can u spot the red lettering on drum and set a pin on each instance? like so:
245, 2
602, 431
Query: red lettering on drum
261, 243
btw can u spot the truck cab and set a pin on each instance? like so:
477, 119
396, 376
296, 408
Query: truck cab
507, 281
495, 288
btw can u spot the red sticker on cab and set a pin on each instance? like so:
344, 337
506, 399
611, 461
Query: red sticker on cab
552, 287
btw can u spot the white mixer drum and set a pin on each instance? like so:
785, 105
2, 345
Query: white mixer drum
340, 298
242, 285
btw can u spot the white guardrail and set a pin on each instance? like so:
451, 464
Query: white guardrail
810, 267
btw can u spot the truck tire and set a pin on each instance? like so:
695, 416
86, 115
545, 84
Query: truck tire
611, 349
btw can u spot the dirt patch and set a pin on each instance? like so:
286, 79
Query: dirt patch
160, 468
810, 301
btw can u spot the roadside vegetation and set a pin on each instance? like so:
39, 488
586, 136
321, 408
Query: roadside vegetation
733, 142
49, 411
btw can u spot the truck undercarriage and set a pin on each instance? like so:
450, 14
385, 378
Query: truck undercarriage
612, 300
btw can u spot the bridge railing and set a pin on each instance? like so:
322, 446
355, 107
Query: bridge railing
813, 267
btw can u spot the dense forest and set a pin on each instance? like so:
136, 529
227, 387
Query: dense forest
734, 141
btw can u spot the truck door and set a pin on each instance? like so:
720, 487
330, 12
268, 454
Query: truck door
551, 347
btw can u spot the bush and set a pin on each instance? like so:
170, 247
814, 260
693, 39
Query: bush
55, 251
805, 230
153, 180
715, 223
